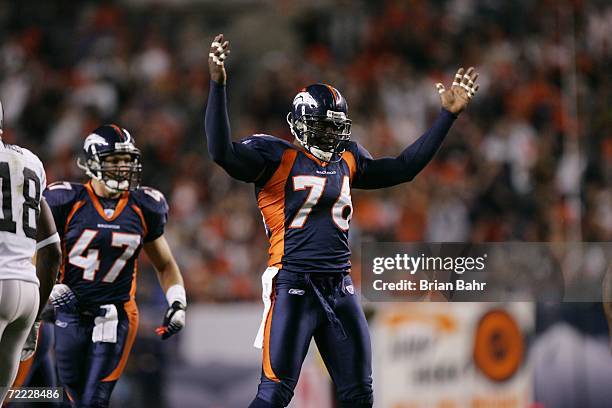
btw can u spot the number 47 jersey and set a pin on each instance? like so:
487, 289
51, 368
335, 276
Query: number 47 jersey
306, 204
22, 178
100, 245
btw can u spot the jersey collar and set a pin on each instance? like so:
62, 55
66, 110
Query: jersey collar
312, 157
96, 202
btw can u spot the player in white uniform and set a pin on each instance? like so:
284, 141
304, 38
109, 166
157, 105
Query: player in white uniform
26, 229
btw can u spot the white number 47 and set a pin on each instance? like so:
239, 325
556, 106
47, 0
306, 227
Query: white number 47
89, 259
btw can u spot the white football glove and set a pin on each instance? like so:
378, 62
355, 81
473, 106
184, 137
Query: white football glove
63, 298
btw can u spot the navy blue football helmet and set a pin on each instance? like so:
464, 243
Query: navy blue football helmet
100, 146
319, 121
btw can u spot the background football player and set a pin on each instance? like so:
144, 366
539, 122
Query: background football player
103, 226
304, 193
26, 229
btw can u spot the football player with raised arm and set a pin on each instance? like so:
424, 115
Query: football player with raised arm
103, 225
26, 229
303, 190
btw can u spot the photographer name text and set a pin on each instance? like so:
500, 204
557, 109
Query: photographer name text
427, 285
430, 265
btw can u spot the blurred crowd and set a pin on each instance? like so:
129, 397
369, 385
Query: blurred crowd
530, 159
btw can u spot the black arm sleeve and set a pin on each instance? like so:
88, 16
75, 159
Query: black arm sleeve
239, 161
388, 171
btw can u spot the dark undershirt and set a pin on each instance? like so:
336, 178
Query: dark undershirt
108, 203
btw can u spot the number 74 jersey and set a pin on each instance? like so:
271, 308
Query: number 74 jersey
306, 205
100, 248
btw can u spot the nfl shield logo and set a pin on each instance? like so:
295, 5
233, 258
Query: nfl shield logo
350, 289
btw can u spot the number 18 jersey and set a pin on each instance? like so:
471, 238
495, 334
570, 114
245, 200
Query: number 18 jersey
100, 246
306, 205
22, 180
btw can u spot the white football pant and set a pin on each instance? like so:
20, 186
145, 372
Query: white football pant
18, 309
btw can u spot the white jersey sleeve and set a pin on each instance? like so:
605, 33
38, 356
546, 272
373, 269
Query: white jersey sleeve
22, 180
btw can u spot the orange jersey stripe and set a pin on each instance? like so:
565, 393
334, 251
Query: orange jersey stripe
349, 159
314, 158
73, 211
267, 364
271, 202
70, 397
134, 278
96, 202
142, 219
62, 269
132, 313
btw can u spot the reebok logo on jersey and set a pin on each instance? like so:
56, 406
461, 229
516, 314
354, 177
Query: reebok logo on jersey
326, 172
61, 324
299, 292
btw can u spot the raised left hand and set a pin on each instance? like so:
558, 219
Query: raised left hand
462, 90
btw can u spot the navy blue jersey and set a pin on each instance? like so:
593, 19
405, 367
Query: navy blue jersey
100, 247
306, 204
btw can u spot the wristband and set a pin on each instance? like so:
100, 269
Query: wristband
52, 239
176, 293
